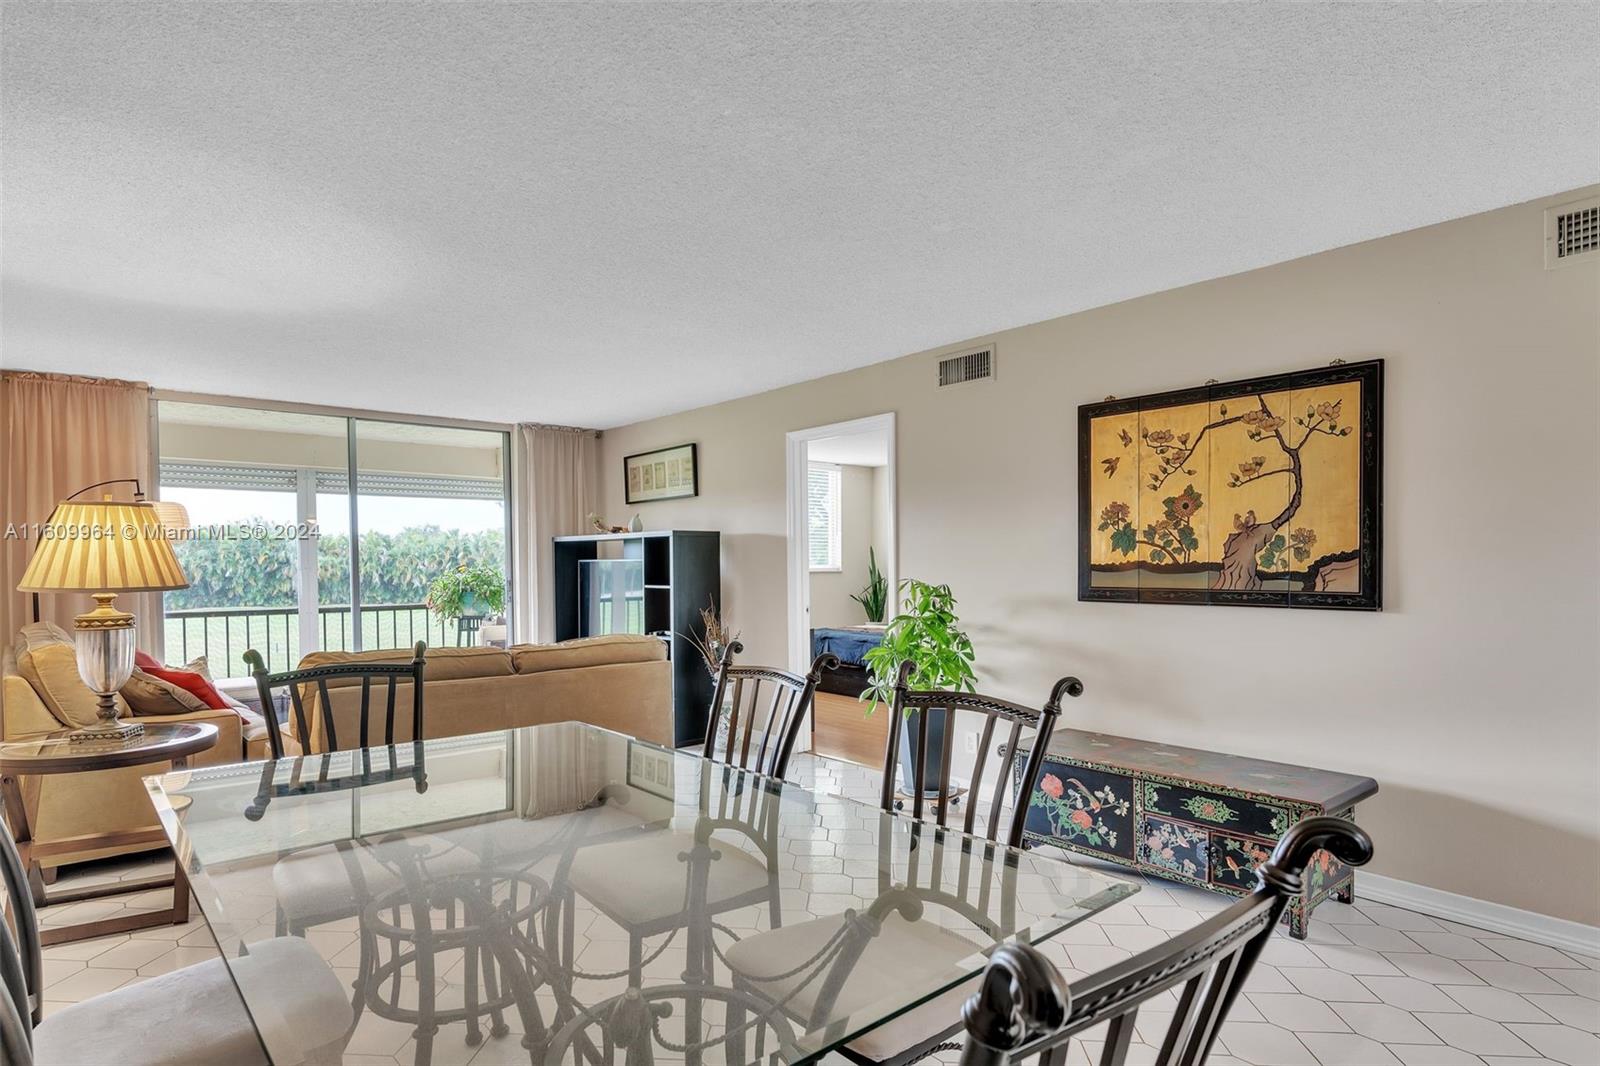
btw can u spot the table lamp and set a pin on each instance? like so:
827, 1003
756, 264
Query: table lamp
103, 548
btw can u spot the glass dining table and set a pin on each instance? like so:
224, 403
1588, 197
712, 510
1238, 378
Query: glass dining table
573, 895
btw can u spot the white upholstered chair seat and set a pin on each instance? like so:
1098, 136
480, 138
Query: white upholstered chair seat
900, 947
194, 1016
317, 883
642, 879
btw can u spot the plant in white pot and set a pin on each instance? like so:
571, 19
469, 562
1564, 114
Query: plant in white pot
928, 635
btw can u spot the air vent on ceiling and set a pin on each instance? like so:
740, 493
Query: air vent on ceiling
1571, 233
968, 366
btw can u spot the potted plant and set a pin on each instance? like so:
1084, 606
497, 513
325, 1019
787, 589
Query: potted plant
928, 635
875, 597
467, 592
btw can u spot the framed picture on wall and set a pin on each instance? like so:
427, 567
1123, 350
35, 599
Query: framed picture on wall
664, 474
1265, 492
652, 769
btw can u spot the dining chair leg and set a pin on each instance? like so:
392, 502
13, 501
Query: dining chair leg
635, 959
736, 1018
469, 994
491, 988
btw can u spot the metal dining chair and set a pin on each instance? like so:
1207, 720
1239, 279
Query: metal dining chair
763, 709
918, 1032
1024, 1008
776, 720
297, 682
191, 1015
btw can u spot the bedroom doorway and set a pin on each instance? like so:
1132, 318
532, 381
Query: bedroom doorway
841, 543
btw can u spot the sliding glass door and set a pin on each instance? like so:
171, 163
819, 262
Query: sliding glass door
283, 558
431, 551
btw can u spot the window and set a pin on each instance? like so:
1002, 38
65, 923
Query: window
822, 509
271, 557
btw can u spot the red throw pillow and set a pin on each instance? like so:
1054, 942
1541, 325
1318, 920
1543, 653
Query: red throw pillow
187, 680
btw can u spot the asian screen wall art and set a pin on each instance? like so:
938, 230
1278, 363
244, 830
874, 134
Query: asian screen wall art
1265, 492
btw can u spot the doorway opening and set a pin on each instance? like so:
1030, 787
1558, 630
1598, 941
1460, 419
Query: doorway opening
843, 560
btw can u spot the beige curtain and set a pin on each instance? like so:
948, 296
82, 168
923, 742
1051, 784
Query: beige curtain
61, 434
558, 485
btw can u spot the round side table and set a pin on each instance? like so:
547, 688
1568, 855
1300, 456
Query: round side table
53, 753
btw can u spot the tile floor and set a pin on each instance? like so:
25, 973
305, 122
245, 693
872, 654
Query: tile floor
1373, 985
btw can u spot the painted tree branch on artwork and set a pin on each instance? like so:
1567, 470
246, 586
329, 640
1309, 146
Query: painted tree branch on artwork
1253, 546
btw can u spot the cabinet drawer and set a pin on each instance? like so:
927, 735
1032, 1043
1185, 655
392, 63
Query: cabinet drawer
1250, 817
1234, 860
1088, 809
1175, 846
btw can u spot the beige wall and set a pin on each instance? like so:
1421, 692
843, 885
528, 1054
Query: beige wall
1472, 698
831, 604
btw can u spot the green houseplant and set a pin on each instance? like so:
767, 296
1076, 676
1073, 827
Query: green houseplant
471, 591
875, 597
928, 634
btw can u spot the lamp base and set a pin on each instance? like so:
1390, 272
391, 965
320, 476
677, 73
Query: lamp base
115, 732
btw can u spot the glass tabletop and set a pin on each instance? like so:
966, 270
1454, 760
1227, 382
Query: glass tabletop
68, 750
583, 894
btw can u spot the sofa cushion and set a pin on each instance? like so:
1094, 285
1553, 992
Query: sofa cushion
589, 651
444, 664
48, 659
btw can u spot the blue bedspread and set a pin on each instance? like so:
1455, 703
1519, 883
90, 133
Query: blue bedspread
850, 645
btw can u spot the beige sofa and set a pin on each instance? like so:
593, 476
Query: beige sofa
43, 694
620, 682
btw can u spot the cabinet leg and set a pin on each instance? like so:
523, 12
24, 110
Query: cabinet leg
1299, 919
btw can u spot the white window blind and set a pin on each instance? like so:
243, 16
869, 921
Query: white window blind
822, 509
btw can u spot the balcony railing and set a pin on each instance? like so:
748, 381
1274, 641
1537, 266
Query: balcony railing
222, 635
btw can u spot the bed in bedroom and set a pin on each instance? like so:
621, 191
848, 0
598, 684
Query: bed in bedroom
841, 728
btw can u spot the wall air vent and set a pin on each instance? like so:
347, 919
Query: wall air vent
1571, 233
968, 366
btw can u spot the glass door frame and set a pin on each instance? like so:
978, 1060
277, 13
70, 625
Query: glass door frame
307, 580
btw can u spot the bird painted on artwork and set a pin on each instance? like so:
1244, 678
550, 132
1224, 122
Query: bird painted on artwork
1126, 438
1110, 465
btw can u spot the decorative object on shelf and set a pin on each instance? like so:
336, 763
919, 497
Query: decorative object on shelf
636, 524
874, 599
716, 640
600, 525
103, 548
928, 635
1265, 492
664, 474
1200, 817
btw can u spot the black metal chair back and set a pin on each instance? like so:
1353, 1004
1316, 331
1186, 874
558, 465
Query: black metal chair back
16, 1028
777, 718
1024, 1007
296, 680
21, 962
1016, 716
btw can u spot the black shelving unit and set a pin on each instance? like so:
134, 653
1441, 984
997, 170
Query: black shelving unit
682, 574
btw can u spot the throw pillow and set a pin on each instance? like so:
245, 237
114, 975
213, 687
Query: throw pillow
148, 694
194, 679
48, 660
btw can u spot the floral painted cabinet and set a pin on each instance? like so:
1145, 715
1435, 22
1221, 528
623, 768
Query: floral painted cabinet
1200, 817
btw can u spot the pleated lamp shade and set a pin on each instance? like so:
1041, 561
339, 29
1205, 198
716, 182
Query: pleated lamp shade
104, 546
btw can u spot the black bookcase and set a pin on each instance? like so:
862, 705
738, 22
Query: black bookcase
682, 574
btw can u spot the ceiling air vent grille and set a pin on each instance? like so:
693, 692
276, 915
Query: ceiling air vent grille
968, 366
1571, 232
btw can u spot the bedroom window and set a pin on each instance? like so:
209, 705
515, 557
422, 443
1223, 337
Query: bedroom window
822, 507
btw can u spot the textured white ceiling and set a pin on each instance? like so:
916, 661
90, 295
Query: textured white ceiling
593, 213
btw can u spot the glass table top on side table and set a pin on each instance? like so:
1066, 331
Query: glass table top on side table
580, 889
58, 753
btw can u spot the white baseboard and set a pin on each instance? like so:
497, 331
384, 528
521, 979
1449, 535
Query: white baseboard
1480, 913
